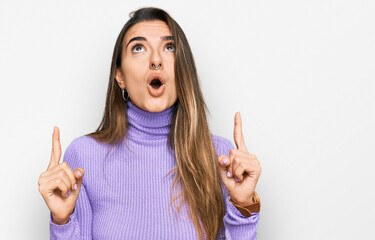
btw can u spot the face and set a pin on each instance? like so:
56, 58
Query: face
148, 45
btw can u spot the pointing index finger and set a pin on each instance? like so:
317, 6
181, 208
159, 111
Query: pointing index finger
56, 148
237, 134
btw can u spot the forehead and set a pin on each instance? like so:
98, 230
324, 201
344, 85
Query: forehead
148, 29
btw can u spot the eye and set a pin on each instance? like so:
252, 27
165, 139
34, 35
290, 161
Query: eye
137, 47
170, 47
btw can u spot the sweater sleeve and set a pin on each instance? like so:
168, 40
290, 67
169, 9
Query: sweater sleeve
80, 222
236, 226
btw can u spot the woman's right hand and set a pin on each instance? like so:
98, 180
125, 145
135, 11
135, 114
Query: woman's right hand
57, 184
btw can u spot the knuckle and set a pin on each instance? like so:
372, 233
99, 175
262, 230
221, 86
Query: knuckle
241, 165
40, 177
61, 173
52, 169
64, 191
63, 187
67, 168
250, 155
232, 151
40, 188
58, 181
221, 157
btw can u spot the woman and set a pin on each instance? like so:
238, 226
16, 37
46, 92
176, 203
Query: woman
153, 151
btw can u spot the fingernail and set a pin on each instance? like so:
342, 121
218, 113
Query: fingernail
67, 194
228, 174
79, 173
237, 179
225, 161
75, 186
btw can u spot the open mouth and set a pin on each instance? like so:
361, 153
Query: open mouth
155, 83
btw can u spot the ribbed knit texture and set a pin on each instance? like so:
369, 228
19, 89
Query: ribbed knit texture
125, 194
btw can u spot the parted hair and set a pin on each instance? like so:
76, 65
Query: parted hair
196, 180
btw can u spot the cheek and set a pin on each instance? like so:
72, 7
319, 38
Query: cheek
134, 71
171, 67
171, 72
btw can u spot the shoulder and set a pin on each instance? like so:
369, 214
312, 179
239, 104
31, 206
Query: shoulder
82, 143
88, 143
83, 148
222, 145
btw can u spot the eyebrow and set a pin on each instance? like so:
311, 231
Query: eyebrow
163, 38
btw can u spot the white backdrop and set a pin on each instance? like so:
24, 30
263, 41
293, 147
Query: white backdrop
300, 72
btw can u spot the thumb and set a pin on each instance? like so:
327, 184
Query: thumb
78, 174
224, 163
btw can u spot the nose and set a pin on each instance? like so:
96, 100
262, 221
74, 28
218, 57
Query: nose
155, 60
153, 66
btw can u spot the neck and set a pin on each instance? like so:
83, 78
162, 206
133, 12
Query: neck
148, 125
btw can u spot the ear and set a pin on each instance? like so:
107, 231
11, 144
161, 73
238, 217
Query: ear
120, 78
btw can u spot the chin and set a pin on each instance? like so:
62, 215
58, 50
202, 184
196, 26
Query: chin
157, 105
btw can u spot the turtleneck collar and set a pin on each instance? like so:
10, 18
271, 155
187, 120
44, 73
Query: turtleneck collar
148, 125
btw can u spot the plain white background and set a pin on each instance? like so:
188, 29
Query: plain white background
300, 72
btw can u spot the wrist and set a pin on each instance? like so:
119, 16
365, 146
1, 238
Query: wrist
250, 201
60, 221
247, 208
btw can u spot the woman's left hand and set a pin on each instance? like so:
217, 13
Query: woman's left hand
241, 171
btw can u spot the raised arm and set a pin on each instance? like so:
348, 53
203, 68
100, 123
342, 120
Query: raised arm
239, 171
64, 193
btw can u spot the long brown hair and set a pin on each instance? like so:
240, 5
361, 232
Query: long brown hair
196, 173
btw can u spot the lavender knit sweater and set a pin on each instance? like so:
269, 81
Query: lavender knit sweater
125, 194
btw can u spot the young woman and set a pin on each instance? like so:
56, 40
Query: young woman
152, 153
